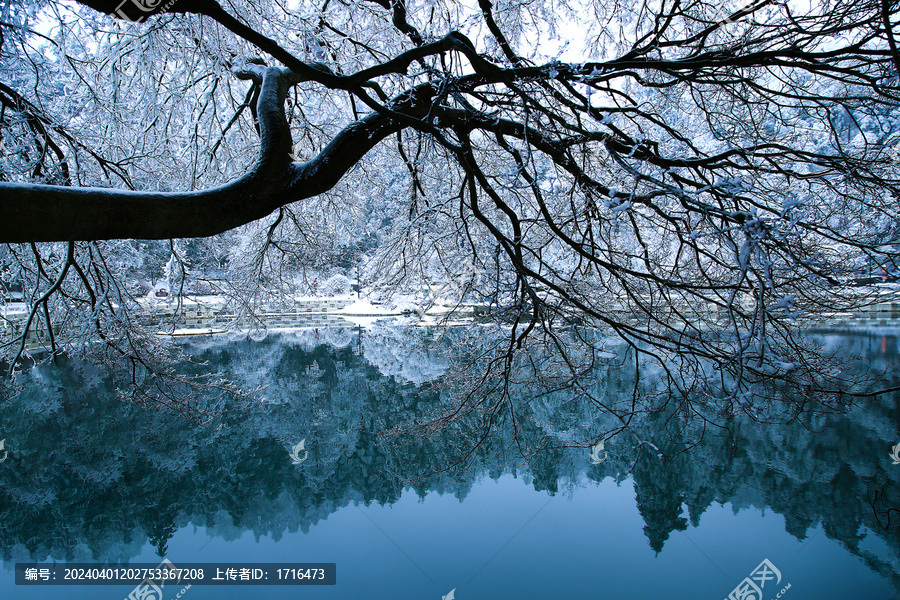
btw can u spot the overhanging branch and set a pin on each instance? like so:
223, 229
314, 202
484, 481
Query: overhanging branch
42, 213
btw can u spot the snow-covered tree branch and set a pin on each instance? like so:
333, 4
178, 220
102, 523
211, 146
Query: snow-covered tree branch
662, 171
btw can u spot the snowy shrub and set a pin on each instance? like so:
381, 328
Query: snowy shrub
336, 285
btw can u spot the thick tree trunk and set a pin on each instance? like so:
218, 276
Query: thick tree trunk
53, 213
38, 213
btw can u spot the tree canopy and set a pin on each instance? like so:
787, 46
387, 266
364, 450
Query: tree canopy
692, 178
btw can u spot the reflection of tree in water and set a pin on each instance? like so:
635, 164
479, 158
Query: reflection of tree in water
92, 477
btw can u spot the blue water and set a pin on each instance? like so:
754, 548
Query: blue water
505, 540
557, 527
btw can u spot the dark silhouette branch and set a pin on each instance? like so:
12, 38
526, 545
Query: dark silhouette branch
59, 213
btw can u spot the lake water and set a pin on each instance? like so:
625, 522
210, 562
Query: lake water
93, 478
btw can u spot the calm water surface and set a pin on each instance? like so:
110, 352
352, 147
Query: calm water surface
91, 478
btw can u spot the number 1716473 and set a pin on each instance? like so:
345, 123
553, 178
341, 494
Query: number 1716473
301, 573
